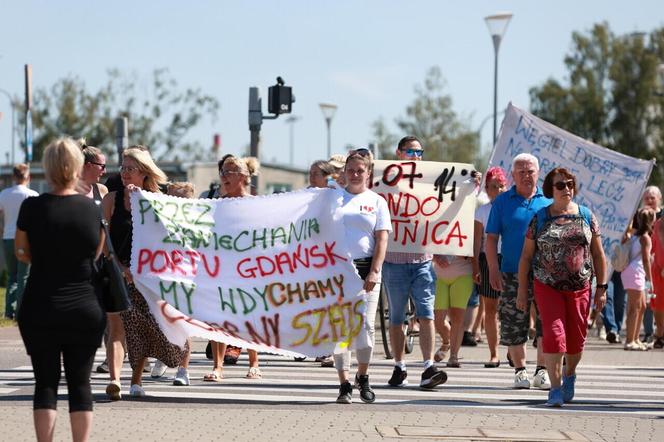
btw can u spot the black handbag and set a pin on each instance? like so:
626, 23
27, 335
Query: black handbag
114, 291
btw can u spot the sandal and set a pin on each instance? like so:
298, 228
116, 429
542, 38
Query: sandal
453, 362
442, 352
254, 373
213, 376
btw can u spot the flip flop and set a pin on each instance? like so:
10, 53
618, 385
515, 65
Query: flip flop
213, 376
509, 360
492, 364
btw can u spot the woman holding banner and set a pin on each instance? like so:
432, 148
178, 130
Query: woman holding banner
367, 222
143, 335
235, 176
563, 250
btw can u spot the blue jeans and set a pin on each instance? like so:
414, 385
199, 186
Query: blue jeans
614, 309
416, 281
17, 275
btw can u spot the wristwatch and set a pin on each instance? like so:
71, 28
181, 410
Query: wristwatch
602, 286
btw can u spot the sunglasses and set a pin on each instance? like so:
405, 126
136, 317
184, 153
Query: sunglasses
413, 152
102, 165
128, 169
560, 185
228, 172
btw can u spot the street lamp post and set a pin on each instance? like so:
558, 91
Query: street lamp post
291, 120
11, 105
328, 112
497, 24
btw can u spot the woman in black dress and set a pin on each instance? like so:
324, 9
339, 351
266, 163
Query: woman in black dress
59, 233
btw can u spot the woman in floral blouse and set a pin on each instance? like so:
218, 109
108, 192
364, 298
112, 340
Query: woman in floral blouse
563, 250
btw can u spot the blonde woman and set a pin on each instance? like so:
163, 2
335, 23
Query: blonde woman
137, 325
235, 176
60, 317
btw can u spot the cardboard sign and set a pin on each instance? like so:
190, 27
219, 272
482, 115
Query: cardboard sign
432, 205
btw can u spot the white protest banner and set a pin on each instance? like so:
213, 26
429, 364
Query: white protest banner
269, 273
432, 205
609, 183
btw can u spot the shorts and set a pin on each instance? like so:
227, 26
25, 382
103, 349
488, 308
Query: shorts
633, 277
414, 281
453, 292
484, 287
514, 323
564, 317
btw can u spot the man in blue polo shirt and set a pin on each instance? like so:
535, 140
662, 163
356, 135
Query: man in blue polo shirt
510, 215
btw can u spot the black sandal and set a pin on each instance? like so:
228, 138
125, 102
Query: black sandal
492, 364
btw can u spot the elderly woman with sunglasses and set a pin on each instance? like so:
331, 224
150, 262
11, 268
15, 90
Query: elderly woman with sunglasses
564, 251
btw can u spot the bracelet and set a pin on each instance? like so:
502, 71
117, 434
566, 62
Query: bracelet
20, 251
602, 286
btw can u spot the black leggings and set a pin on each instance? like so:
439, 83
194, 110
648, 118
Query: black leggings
77, 360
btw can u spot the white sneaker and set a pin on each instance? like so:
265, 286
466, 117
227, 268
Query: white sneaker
521, 380
541, 380
136, 391
158, 369
181, 377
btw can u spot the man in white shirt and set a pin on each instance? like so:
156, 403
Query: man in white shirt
11, 199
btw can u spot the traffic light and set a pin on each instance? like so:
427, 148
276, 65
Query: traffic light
280, 98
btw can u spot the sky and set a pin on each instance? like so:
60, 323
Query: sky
364, 56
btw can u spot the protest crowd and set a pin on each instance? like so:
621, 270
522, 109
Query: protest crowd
537, 273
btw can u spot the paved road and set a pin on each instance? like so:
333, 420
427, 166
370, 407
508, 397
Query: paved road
617, 401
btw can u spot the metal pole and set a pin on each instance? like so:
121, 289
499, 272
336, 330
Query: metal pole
121, 137
255, 122
11, 105
496, 45
13, 130
28, 113
328, 121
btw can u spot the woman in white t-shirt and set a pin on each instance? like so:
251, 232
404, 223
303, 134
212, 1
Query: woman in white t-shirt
367, 224
495, 184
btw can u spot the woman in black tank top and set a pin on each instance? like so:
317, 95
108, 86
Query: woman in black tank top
94, 168
136, 325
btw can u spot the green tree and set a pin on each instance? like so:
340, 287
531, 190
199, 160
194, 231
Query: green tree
612, 96
431, 118
160, 116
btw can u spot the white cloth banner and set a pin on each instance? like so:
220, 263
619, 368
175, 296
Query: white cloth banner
609, 183
432, 205
269, 273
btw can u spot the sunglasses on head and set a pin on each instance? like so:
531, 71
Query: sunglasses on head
413, 152
560, 185
362, 151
